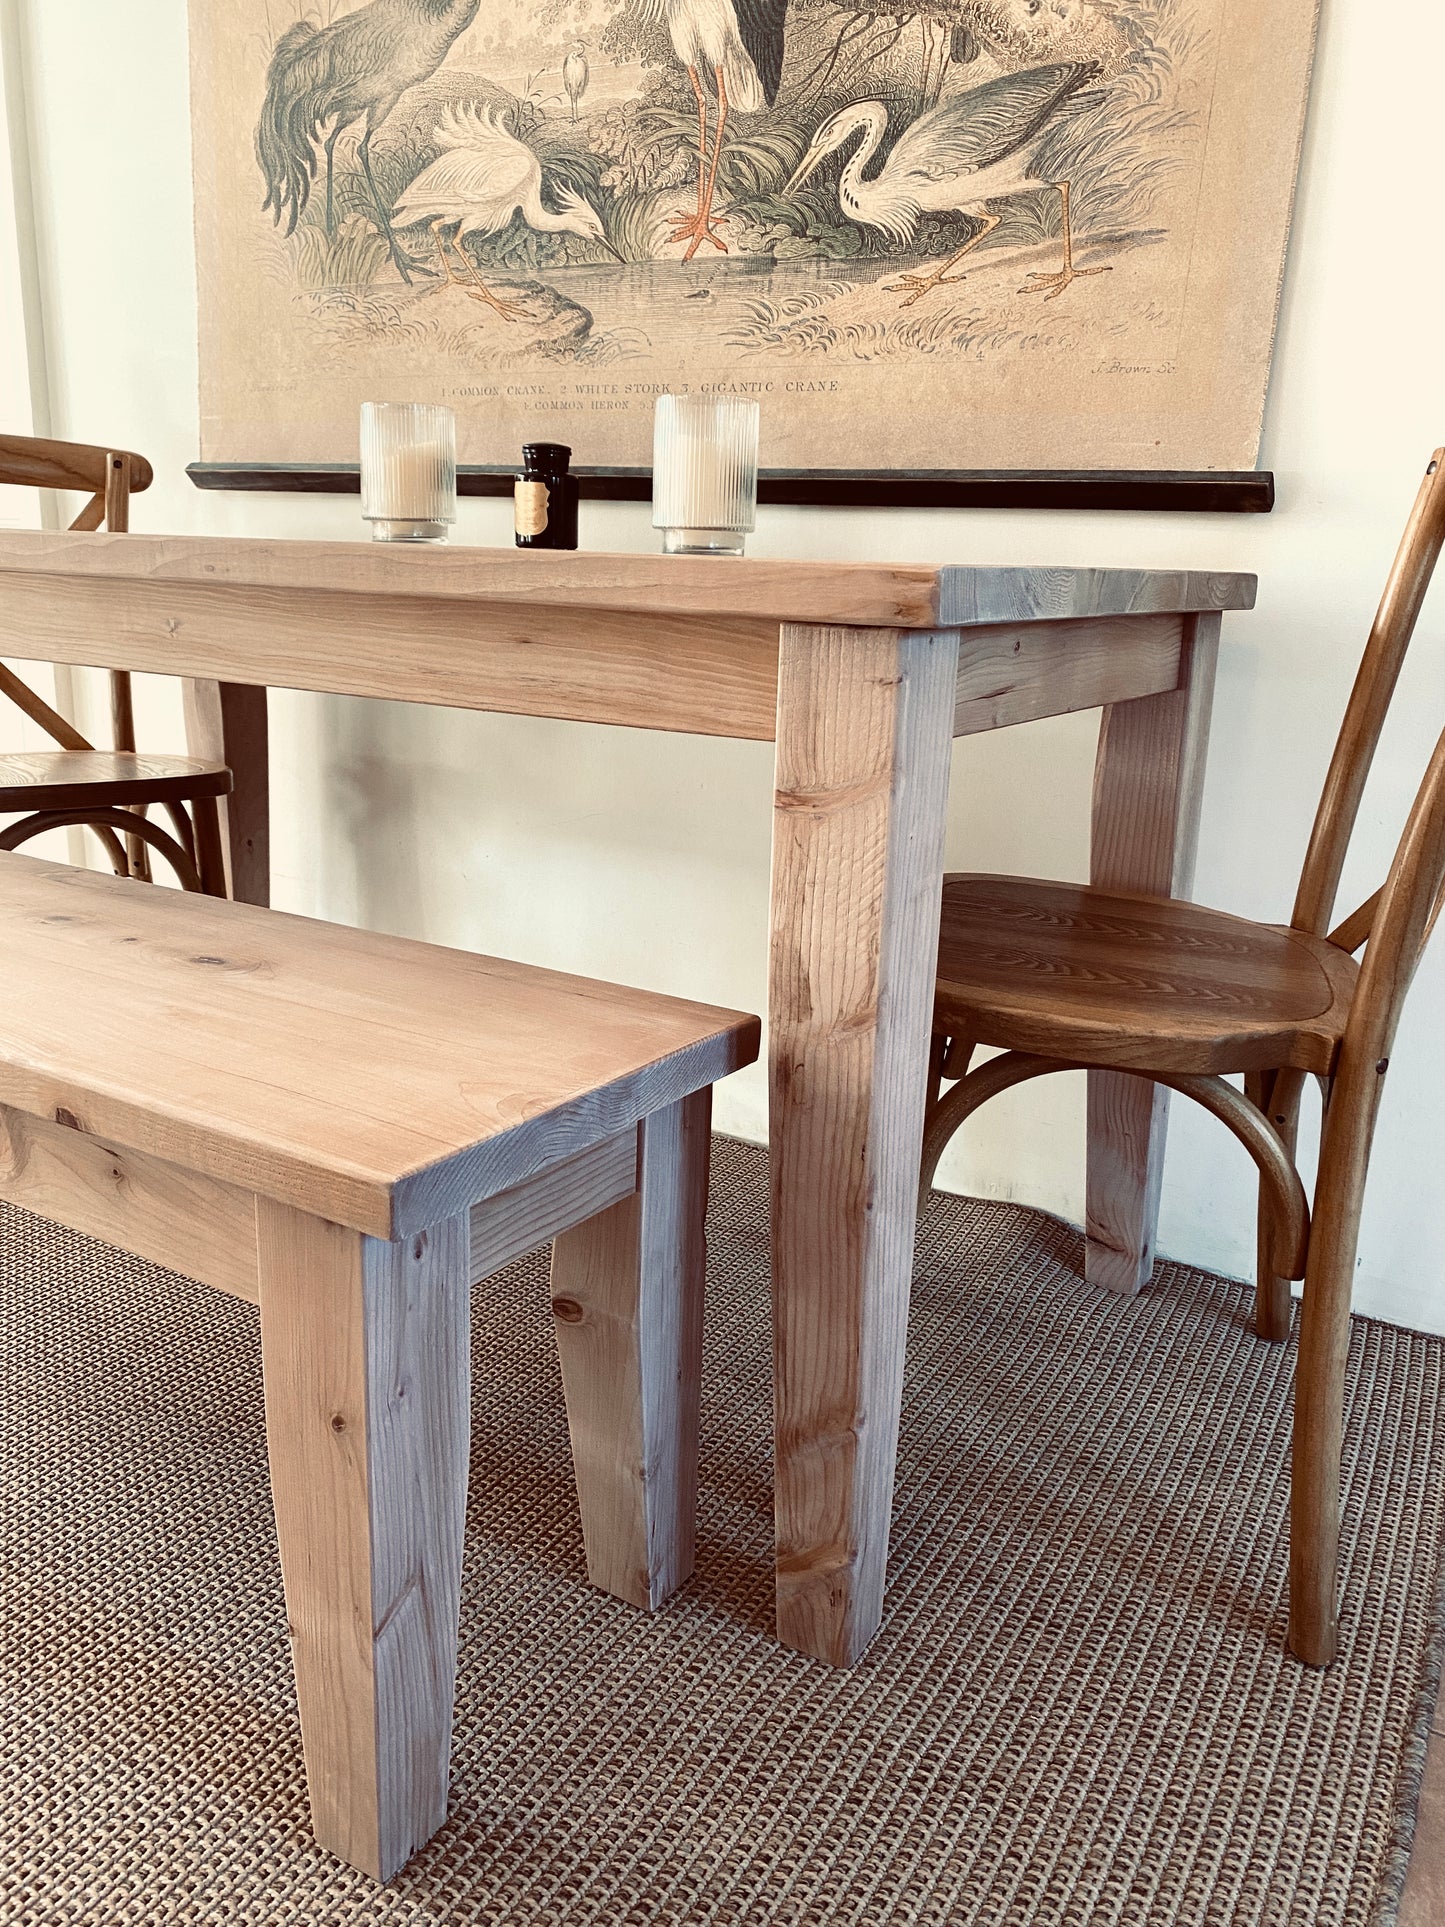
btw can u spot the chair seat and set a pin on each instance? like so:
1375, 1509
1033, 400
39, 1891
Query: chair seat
69, 779
1143, 983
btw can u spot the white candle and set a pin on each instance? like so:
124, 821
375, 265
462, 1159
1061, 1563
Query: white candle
408, 470
705, 472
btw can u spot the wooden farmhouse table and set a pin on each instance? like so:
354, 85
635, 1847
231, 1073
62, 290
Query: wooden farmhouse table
862, 674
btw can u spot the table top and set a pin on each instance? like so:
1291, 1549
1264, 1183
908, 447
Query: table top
692, 588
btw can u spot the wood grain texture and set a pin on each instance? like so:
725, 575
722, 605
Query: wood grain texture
64, 779
365, 1352
689, 587
1019, 672
29, 461
375, 1081
973, 595
1148, 786
1143, 983
861, 594
715, 676
515, 1222
200, 1227
864, 725
627, 1305
228, 723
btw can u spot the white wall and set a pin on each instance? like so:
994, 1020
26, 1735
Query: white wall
646, 857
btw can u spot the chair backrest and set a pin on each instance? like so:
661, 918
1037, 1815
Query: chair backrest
1396, 922
112, 476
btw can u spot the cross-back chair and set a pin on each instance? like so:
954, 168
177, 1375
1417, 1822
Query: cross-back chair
108, 791
1066, 977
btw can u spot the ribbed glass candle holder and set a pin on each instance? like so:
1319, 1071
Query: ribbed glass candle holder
704, 473
408, 470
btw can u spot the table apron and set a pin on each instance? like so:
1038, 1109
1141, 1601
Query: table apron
709, 676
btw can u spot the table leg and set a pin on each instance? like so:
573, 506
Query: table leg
865, 726
226, 722
365, 1354
1148, 784
627, 1290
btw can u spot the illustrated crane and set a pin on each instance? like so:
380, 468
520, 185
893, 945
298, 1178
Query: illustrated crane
739, 45
575, 75
483, 176
357, 69
970, 150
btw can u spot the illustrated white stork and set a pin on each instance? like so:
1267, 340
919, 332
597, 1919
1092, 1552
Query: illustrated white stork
575, 75
955, 159
483, 176
738, 44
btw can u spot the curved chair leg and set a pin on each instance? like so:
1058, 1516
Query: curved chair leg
185, 830
1288, 1207
948, 1062
1277, 1094
43, 820
126, 821
210, 855
1319, 1397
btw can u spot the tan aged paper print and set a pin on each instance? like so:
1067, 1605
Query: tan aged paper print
951, 234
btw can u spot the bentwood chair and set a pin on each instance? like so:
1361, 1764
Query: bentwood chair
1063, 977
106, 790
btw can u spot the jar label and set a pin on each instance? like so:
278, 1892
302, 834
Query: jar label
533, 502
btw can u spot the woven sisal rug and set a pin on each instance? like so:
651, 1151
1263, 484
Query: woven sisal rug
1079, 1711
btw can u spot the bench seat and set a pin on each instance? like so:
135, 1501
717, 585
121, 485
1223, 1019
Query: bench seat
348, 1128
372, 1080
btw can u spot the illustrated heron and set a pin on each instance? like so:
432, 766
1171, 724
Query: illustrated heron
738, 44
483, 176
575, 75
357, 69
971, 150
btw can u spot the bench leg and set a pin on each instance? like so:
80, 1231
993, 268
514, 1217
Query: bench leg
627, 1300
366, 1360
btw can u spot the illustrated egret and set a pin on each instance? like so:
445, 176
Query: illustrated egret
483, 176
739, 45
358, 68
955, 159
575, 75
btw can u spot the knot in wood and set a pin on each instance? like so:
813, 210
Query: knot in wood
568, 1310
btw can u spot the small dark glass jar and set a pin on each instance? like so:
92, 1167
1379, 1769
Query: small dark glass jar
546, 498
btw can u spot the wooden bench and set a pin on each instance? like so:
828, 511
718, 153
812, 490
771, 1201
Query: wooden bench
347, 1129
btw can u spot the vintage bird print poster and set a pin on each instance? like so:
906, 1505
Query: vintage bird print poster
947, 234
